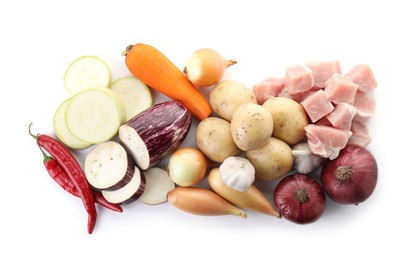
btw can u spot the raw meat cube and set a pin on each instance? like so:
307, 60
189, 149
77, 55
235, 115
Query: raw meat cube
326, 141
324, 121
317, 106
360, 134
341, 117
340, 89
297, 97
365, 102
358, 128
268, 88
362, 117
363, 76
298, 79
323, 70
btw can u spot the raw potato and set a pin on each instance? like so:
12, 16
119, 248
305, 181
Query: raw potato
272, 161
289, 119
251, 126
214, 139
227, 95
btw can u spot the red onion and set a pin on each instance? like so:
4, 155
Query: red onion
300, 198
350, 178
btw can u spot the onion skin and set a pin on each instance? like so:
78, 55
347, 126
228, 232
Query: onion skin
352, 177
299, 198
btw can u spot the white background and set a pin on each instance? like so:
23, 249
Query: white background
40, 38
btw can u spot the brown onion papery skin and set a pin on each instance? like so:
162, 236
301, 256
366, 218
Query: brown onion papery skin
291, 208
361, 183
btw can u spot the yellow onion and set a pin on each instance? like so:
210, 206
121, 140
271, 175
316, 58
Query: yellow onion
205, 67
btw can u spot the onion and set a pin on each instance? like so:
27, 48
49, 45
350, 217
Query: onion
350, 178
187, 166
299, 198
205, 67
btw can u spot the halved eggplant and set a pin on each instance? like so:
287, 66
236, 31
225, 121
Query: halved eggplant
155, 133
108, 167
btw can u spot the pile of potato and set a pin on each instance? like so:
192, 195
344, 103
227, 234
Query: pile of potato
265, 133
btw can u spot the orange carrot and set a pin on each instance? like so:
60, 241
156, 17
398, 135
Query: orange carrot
154, 69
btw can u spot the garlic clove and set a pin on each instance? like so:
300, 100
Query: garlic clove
237, 173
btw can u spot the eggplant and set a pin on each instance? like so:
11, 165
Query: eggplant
108, 166
155, 133
130, 192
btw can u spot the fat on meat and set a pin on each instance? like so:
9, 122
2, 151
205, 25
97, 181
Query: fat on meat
326, 141
323, 70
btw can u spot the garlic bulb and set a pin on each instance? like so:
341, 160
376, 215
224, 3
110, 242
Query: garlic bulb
237, 173
205, 67
304, 160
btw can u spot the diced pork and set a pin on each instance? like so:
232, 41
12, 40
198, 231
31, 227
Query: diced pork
362, 117
360, 134
317, 106
323, 121
297, 97
268, 88
298, 79
326, 141
340, 89
363, 76
341, 117
323, 70
365, 102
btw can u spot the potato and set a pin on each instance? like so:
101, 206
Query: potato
251, 126
214, 139
227, 95
289, 118
272, 161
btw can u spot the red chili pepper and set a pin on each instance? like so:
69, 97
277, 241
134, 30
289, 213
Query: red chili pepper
58, 174
74, 171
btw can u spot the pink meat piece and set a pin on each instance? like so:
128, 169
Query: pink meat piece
298, 79
297, 97
326, 141
362, 117
317, 106
360, 134
340, 89
341, 117
323, 121
323, 70
363, 76
267, 88
365, 101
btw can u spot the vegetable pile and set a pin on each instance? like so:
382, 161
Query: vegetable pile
270, 133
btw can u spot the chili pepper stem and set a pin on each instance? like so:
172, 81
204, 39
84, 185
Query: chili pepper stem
32, 135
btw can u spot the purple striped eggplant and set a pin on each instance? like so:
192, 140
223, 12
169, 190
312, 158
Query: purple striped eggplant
155, 133
108, 166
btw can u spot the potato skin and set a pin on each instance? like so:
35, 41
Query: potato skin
272, 161
289, 118
251, 126
227, 95
214, 139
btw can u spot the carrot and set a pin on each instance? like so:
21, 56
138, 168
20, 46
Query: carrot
154, 69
